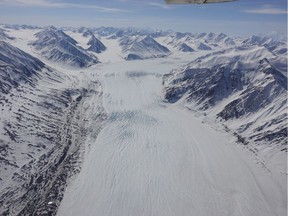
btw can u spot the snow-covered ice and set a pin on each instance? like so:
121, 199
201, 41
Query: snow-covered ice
151, 158
156, 159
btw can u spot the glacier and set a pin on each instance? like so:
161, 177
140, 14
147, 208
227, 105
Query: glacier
127, 121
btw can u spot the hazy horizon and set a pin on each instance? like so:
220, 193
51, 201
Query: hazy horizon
242, 17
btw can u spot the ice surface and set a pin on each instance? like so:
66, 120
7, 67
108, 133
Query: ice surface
153, 158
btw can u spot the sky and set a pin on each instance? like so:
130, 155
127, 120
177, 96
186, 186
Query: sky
239, 18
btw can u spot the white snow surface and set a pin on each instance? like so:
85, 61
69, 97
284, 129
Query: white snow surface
158, 159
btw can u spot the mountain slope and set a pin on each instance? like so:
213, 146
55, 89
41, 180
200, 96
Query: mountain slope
185, 48
244, 88
277, 47
56, 46
40, 139
198, 42
17, 66
142, 48
95, 45
4, 36
85, 32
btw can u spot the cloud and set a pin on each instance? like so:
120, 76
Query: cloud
163, 6
47, 3
267, 9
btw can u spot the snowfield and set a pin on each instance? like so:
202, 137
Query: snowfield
119, 136
154, 158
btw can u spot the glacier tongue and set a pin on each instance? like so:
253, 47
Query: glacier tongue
154, 158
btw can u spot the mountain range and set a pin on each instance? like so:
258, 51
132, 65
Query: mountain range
238, 84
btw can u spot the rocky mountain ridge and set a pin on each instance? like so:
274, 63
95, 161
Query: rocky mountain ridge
243, 88
57, 46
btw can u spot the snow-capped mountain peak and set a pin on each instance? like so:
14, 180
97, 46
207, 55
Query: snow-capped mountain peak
96, 45
142, 47
57, 46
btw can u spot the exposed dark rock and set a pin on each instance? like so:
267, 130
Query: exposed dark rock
96, 45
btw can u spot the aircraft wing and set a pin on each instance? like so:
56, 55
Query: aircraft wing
196, 1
